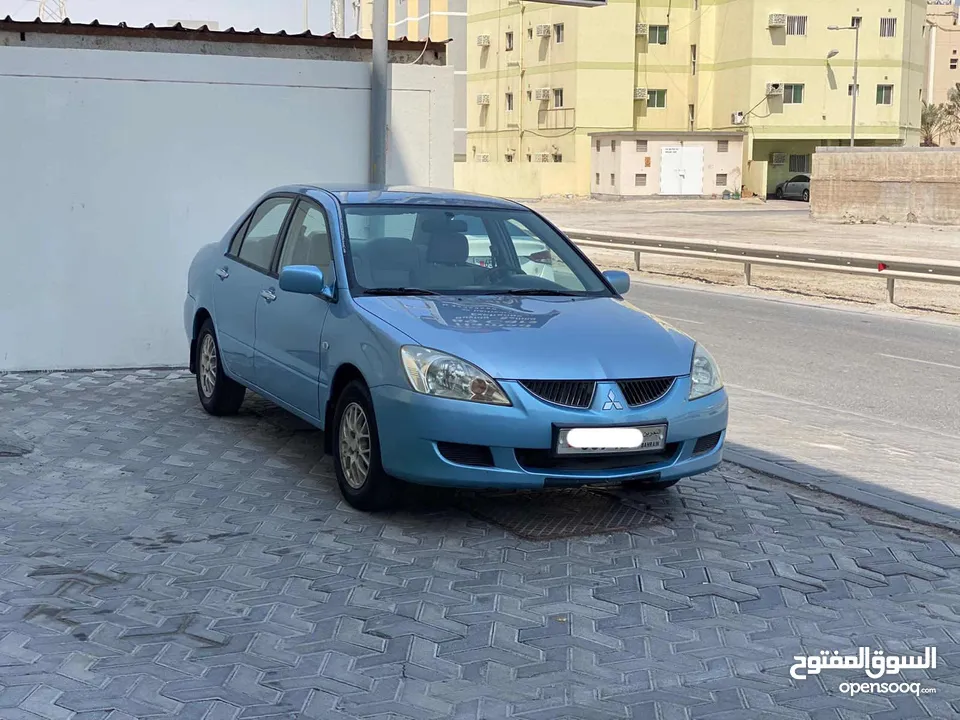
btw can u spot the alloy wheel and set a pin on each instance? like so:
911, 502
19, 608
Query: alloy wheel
208, 365
355, 445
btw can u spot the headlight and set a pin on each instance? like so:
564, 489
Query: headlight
435, 373
704, 374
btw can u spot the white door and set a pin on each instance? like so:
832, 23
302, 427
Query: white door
681, 171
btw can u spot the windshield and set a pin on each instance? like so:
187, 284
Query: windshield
396, 249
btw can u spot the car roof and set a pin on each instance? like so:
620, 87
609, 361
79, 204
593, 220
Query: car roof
360, 194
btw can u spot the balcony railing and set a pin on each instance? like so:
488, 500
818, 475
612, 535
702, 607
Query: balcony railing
557, 118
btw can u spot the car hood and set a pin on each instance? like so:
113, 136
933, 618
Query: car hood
541, 338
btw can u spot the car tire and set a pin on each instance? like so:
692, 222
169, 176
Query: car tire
806, 196
779, 193
219, 395
356, 443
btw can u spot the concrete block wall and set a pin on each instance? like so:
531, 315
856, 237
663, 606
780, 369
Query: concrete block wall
911, 185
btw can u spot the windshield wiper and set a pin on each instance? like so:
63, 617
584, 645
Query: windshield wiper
538, 291
399, 291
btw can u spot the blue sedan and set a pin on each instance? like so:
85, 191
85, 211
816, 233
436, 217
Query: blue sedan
427, 358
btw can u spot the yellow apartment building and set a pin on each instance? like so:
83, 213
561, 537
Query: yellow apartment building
548, 84
440, 20
943, 58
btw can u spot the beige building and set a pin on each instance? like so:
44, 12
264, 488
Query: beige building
943, 46
639, 164
544, 79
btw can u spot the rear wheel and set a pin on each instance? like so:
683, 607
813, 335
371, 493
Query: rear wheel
356, 452
806, 196
219, 395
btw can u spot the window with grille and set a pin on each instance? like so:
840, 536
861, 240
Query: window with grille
657, 35
721, 179
888, 27
656, 98
884, 94
723, 146
792, 94
855, 21
557, 157
640, 180
641, 146
796, 24
800, 163
558, 33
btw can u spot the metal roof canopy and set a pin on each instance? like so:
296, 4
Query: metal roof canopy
575, 3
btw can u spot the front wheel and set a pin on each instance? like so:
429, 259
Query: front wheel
806, 196
779, 193
219, 395
356, 452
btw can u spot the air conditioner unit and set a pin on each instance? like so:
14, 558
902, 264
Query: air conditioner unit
640, 94
774, 89
483, 99
543, 31
737, 118
483, 157
643, 29
778, 158
777, 20
542, 157
542, 93
483, 40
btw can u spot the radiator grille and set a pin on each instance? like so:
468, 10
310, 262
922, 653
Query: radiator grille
569, 393
645, 391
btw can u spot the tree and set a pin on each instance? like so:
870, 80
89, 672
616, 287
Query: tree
933, 121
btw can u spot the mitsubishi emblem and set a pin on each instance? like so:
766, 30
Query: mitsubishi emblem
612, 403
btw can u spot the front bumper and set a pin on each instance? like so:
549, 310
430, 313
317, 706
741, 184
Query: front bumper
513, 443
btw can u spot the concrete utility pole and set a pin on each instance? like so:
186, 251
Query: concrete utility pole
379, 93
856, 82
336, 17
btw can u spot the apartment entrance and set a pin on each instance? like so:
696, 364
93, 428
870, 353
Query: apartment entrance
681, 170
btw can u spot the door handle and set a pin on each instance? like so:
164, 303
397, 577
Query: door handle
223, 273
268, 295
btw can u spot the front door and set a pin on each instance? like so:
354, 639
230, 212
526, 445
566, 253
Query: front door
289, 325
240, 278
681, 170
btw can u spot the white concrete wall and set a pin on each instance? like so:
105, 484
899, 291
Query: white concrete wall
117, 166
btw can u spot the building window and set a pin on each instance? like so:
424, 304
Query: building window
558, 33
529, 95
855, 21
657, 35
884, 94
800, 163
557, 157
508, 157
613, 179
796, 24
721, 179
656, 98
888, 27
723, 146
953, 63
597, 179
598, 146
641, 146
793, 94
693, 59
529, 157
691, 116
613, 145
640, 180
558, 97
508, 41
850, 90
530, 33
508, 101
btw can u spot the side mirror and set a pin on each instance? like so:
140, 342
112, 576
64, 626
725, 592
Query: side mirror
303, 279
618, 278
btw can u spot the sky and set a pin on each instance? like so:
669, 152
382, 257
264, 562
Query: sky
268, 15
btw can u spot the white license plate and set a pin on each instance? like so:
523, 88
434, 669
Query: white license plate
606, 440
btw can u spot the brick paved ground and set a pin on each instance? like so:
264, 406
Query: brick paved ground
156, 562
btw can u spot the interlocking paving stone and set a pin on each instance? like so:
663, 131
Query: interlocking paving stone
156, 562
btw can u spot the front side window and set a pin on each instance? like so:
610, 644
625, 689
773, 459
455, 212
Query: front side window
461, 251
261, 239
308, 240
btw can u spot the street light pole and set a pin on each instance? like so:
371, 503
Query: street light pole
856, 86
379, 91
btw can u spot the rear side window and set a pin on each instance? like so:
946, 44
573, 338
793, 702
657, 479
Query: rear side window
261, 238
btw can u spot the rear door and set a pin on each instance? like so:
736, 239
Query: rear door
289, 325
241, 276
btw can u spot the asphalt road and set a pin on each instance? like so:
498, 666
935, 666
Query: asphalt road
860, 401
903, 371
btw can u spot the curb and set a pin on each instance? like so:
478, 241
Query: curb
904, 506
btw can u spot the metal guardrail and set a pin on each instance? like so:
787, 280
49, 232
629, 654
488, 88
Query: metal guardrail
888, 267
